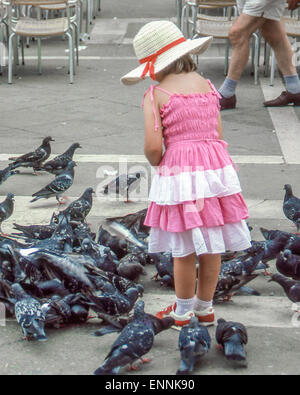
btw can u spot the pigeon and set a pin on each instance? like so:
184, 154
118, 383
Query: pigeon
164, 267
289, 265
59, 164
6, 173
30, 314
194, 342
117, 245
232, 336
80, 208
159, 325
291, 206
272, 234
291, 287
34, 159
57, 187
135, 340
134, 222
6, 208
40, 232
271, 247
121, 185
130, 267
115, 303
68, 267
128, 235
104, 258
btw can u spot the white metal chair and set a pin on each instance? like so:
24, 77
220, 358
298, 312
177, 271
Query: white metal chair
74, 5
31, 27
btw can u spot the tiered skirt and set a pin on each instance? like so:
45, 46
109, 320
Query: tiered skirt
196, 203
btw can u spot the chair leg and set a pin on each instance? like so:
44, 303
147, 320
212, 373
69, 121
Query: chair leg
70, 57
183, 13
10, 52
72, 27
39, 55
267, 59
22, 49
226, 57
273, 66
256, 58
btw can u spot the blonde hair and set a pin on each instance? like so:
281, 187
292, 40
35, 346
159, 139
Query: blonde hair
183, 64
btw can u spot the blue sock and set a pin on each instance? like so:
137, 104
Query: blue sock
292, 83
228, 87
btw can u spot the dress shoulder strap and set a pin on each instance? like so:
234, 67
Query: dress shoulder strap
214, 88
151, 90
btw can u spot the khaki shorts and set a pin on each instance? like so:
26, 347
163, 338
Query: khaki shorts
269, 9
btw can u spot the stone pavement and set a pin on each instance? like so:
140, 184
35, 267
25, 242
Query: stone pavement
106, 118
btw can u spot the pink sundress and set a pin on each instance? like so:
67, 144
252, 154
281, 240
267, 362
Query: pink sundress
196, 203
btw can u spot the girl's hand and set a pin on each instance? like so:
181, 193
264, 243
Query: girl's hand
153, 146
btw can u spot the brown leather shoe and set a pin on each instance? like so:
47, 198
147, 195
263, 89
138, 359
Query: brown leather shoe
228, 103
284, 99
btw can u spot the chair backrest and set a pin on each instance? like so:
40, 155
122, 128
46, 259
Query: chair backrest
37, 2
216, 3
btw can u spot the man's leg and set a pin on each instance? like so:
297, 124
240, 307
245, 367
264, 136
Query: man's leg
239, 37
274, 33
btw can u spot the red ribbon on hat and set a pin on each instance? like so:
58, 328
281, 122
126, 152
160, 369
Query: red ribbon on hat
151, 59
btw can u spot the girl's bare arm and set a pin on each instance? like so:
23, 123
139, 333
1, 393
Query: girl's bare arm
153, 145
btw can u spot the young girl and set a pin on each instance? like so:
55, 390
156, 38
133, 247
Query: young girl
196, 204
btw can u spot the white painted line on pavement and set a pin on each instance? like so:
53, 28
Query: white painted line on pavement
115, 158
285, 121
87, 57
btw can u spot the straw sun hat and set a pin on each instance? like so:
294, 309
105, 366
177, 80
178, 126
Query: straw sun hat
157, 45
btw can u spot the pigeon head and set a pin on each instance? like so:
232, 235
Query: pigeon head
89, 191
140, 289
194, 323
287, 254
132, 294
85, 244
139, 309
288, 188
47, 140
75, 146
18, 291
11, 196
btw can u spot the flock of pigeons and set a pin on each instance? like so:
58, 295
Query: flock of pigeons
52, 275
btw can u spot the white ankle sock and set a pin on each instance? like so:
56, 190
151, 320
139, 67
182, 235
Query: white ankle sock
184, 305
200, 305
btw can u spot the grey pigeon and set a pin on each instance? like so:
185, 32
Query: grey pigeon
34, 159
115, 303
291, 206
121, 185
6, 173
194, 342
232, 336
59, 164
290, 287
30, 314
288, 264
272, 234
6, 208
135, 340
58, 186
130, 267
80, 208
